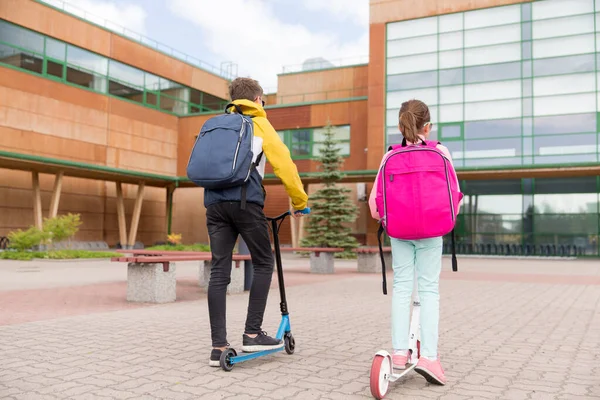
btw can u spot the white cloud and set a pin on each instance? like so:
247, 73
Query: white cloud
356, 10
107, 14
249, 33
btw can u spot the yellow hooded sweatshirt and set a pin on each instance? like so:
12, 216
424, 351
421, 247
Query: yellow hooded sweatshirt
268, 141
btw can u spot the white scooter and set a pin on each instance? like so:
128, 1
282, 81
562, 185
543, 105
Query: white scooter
382, 370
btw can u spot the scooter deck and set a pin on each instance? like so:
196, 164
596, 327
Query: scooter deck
394, 376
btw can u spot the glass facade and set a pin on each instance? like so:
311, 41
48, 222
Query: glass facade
307, 143
543, 216
27, 50
514, 86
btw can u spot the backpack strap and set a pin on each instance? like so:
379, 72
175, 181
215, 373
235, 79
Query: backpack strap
245, 186
238, 109
379, 234
454, 261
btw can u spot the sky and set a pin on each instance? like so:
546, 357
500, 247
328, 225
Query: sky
260, 36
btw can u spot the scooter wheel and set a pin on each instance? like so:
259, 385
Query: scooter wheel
290, 343
225, 360
418, 349
381, 369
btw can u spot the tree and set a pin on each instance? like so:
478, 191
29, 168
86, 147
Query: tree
332, 210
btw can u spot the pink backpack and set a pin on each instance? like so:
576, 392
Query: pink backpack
417, 194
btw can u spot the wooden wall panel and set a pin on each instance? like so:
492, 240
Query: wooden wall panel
54, 23
322, 85
382, 11
277, 202
289, 118
46, 118
189, 127
189, 215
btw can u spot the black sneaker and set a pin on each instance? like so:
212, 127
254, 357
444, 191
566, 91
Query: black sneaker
260, 343
215, 358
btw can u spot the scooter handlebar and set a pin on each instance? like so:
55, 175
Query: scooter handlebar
305, 211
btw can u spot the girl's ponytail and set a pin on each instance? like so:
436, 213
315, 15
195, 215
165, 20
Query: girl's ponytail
414, 114
408, 124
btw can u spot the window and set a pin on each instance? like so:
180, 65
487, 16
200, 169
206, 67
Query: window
493, 128
563, 26
33, 52
526, 31
126, 81
565, 104
404, 47
451, 76
412, 81
450, 41
495, 35
564, 124
578, 83
308, 143
493, 54
21, 37
428, 96
495, 72
451, 94
564, 46
301, 143
414, 28
492, 17
451, 59
561, 8
493, 91
564, 65
87, 61
421, 62
450, 22
555, 145
497, 109
493, 148
451, 113
451, 131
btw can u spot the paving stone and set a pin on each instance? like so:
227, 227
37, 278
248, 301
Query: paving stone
500, 334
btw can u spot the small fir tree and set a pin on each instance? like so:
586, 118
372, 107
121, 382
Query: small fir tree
331, 208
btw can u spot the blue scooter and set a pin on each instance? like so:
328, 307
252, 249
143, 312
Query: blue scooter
229, 357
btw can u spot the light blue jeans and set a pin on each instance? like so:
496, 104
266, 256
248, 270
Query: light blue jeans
426, 256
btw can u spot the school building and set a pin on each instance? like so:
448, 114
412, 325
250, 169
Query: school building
100, 121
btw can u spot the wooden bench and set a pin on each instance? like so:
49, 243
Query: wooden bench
321, 258
369, 260
151, 274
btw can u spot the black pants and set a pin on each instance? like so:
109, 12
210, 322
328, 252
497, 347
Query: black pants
225, 221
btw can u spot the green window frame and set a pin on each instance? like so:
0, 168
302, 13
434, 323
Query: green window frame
306, 148
51, 67
448, 131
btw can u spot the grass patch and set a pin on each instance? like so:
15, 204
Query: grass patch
56, 255
181, 247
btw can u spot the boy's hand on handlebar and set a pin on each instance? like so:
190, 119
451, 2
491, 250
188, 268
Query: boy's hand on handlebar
300, 213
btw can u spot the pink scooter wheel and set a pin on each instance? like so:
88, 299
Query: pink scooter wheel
381, 368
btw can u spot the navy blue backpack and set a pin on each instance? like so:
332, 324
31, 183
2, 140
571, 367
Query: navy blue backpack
222, 154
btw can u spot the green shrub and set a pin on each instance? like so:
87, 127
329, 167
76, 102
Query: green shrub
62, 227
24, 240
181, 247
73, 254
56, 255
21, 255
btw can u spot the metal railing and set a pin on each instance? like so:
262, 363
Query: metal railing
227, 70
321, 63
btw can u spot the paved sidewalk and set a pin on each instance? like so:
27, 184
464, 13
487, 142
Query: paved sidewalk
507, 332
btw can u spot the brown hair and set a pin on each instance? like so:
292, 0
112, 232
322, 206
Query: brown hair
244, 89
413, 116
